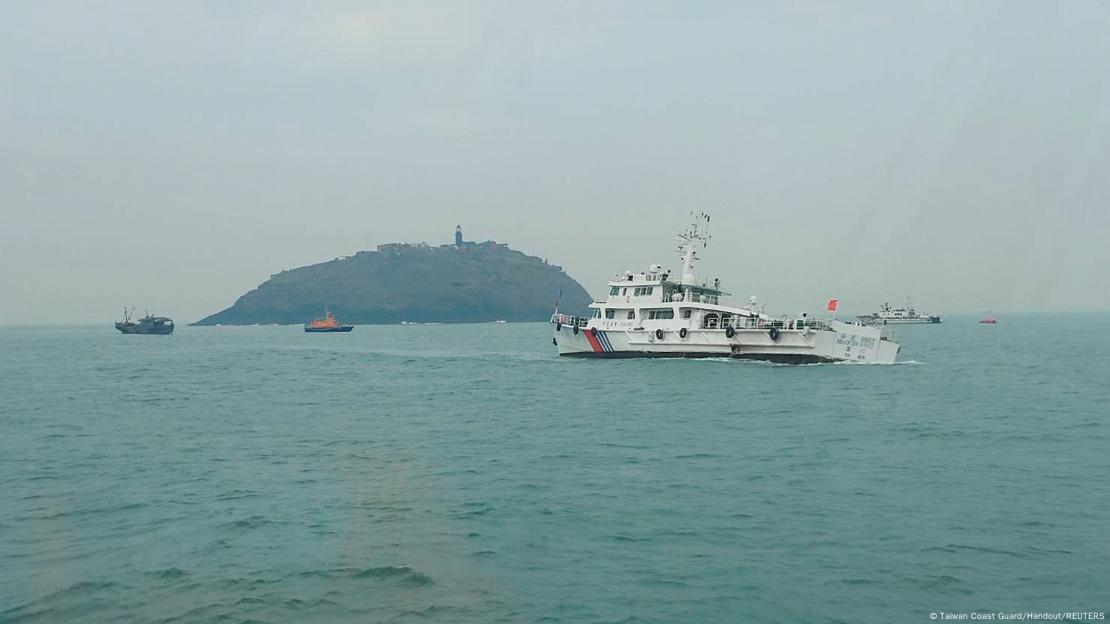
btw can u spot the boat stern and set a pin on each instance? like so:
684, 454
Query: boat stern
852, 342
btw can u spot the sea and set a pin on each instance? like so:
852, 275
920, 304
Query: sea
465, 473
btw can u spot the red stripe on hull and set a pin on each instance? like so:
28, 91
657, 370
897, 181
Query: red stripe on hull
594, 344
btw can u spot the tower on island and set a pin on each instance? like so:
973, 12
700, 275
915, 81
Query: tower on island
458, 236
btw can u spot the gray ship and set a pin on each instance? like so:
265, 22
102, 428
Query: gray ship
149, 324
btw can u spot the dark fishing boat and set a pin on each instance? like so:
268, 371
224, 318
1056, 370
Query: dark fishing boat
149, 324
328, 324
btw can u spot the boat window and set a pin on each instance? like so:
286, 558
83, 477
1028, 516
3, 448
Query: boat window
631, 315
610, 313
597, 313
625, 291
686, 313
614, 291
661, 314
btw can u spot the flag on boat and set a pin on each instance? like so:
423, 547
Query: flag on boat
832, 304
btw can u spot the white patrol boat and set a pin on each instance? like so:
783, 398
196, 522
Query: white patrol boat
652, 314
902, 315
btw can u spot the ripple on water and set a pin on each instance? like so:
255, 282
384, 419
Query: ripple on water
400, 574
170, 573
53, 605
252, 522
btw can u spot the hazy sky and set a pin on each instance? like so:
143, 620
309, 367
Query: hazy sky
172, 155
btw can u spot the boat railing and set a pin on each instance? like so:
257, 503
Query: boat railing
567, 319
647, 277
710, 299
735, 322
694, 298
755, 322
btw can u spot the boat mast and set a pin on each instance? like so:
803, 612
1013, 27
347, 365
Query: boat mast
698, 231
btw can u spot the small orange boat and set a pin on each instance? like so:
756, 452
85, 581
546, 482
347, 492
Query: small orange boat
989, 319
327, 324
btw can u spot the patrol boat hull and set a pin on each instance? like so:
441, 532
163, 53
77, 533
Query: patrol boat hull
835, 341
328, 330
134, 328
902, 315
919, 320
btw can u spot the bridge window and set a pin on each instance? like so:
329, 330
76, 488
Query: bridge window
614, 291
686, 313
661, 314
631, 315
610, 313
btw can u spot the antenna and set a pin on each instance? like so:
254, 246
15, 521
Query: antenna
698, 230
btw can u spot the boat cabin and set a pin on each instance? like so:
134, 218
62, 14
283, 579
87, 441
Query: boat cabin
651, 299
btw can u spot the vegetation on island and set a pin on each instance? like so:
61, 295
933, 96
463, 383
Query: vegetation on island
460, 283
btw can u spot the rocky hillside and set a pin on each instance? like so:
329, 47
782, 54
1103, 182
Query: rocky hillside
463, 283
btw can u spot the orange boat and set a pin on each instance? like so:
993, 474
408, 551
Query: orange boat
326, 325
989, 319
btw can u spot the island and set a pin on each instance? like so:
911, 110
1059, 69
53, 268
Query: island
464, 282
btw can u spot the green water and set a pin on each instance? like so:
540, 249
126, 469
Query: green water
464, 473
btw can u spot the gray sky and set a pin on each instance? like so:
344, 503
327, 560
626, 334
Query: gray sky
174, 155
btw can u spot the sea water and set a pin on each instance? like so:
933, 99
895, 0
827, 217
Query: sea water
465, 473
